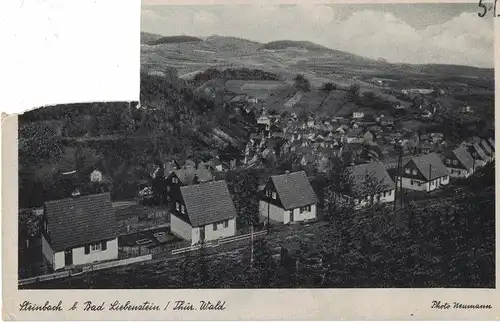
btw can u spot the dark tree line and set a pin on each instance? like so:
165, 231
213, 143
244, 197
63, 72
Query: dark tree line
233, 74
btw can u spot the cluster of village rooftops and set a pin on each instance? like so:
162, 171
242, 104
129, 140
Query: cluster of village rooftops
82, 229
363, 135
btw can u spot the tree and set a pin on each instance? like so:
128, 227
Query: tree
336, 183
37, 143
126, 122
328, 86
302, 83
243, 186
263, 266
353, 91
194, 271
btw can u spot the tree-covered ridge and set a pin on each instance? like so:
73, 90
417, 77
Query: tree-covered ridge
126, 139
175, 40
233, 74
283, 44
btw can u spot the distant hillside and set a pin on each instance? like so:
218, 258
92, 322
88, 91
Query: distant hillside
147, 38
283, 44
176, 40
155, 39
223, 43
456, 70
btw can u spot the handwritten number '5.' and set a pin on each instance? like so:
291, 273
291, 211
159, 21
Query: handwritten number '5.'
482, 5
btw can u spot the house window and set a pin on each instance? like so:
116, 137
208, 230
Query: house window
448, 161
414, 172
407, 171
168, 198
168, 188
215, 226
226, 224
274, 195
95, 247
174, 180
177, 206
455, 162
183, 211
306, 208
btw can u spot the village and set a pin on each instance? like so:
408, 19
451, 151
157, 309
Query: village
381, 161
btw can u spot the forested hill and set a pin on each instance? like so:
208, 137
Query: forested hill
122, 139
283, 44
176, 40
233, 74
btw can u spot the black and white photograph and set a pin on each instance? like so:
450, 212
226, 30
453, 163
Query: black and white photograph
273, 147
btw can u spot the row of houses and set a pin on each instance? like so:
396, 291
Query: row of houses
83, 229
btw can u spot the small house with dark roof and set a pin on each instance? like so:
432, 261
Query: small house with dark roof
369, 184
479, 156
487, 149
459, 162
492, 143
203, 212
424, 173
187, 176
288, 198
79, 230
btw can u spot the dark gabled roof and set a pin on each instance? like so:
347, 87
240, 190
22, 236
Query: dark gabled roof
207, 203
77, 221
371, 174
464, 157
168, 168
294, 190
492, 143
480, 152
189, 175
437, 168
486, 147
185, 175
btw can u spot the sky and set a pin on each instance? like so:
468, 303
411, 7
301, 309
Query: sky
406, 33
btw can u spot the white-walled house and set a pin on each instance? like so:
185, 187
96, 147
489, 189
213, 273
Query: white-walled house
459, 162
358, 114
424, 173
79, 230
370, 184
203, 212
288, 198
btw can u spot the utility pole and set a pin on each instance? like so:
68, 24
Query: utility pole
430, 178
400, 179
251, 248
398, 176
473, 163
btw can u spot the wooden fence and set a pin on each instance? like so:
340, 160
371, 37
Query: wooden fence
141, 254
84, 269
218, 242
